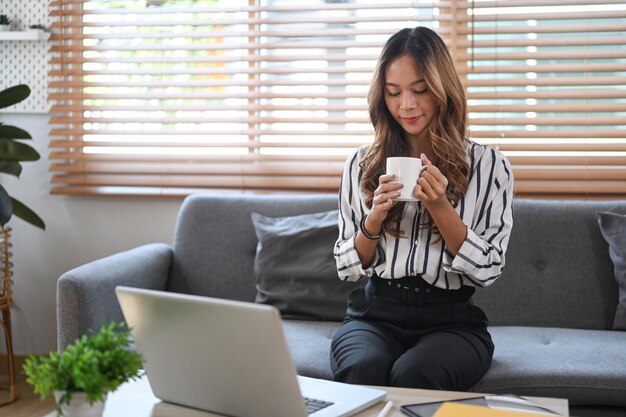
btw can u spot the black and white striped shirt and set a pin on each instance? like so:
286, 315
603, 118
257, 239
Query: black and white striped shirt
485, 209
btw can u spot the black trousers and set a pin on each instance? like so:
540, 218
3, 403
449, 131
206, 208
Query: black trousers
408, 333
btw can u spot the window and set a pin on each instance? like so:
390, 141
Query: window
546, 83
168, 97
175, 96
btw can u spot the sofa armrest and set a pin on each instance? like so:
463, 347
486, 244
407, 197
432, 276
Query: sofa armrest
86, 295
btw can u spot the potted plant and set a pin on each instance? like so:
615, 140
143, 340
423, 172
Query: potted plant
12, 152
5, 23
84, 374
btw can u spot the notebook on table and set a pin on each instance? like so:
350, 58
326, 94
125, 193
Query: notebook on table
228, 357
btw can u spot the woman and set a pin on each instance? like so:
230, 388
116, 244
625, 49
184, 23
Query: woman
414, 323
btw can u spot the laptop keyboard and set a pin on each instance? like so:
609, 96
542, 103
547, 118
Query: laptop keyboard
313, 405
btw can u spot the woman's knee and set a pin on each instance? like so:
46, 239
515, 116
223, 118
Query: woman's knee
360, 369
363, 353
417, 375
441, 373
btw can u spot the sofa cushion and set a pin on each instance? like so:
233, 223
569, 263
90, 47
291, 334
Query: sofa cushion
585, 366
295, 268
309, 343
613, 227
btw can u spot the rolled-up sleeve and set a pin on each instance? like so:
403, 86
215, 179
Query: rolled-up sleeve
351, 211
480, 260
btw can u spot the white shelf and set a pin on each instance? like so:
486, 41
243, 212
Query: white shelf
24, 35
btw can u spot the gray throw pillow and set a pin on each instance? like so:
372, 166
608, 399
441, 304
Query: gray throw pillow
295, 268
613, 228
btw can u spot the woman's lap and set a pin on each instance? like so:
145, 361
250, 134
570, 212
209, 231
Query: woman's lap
393, 340
368, 353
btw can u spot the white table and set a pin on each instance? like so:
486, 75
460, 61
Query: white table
135, 399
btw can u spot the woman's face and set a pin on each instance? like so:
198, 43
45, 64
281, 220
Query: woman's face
408, 99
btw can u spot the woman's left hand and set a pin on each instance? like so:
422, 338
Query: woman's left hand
431, 185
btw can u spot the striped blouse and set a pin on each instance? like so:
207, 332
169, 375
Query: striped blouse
485, 209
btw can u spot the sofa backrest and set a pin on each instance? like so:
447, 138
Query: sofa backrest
558, 272
215, 243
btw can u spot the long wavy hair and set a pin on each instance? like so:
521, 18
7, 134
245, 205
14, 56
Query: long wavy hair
447, 130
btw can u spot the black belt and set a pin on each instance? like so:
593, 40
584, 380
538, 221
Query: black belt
414, 289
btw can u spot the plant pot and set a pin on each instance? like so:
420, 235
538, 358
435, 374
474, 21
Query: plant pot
5, 28
79, 406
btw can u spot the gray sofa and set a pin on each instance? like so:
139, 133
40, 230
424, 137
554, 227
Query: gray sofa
551, 312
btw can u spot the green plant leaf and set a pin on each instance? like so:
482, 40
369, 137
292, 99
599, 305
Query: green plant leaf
6, 208
13, 95
11, 150
11, 153
12, 132
94, 364
11, 167
26, 214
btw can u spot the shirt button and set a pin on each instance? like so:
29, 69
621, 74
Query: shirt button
399, 285
388, 282
417, 243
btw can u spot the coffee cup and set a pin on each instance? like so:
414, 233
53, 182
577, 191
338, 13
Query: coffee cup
407, 170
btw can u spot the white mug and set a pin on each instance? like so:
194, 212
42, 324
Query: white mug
407, 171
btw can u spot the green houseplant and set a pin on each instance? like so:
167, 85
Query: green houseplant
94, 365
5, 22
12, 153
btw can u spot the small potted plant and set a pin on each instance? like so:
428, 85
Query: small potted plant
5, 23
81, 377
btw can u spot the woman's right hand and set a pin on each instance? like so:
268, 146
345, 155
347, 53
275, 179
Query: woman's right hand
383, 201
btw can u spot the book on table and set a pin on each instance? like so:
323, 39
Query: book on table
505, 402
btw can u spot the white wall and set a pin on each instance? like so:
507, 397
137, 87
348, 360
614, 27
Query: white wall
78, 230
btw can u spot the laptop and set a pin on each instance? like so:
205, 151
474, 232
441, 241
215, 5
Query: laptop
228, 357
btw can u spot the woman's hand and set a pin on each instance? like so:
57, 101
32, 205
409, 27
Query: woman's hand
431, 190
383, 198
382, 202
431, 186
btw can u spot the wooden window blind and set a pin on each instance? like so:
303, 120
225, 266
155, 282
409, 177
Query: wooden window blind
169, 97
546, 83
